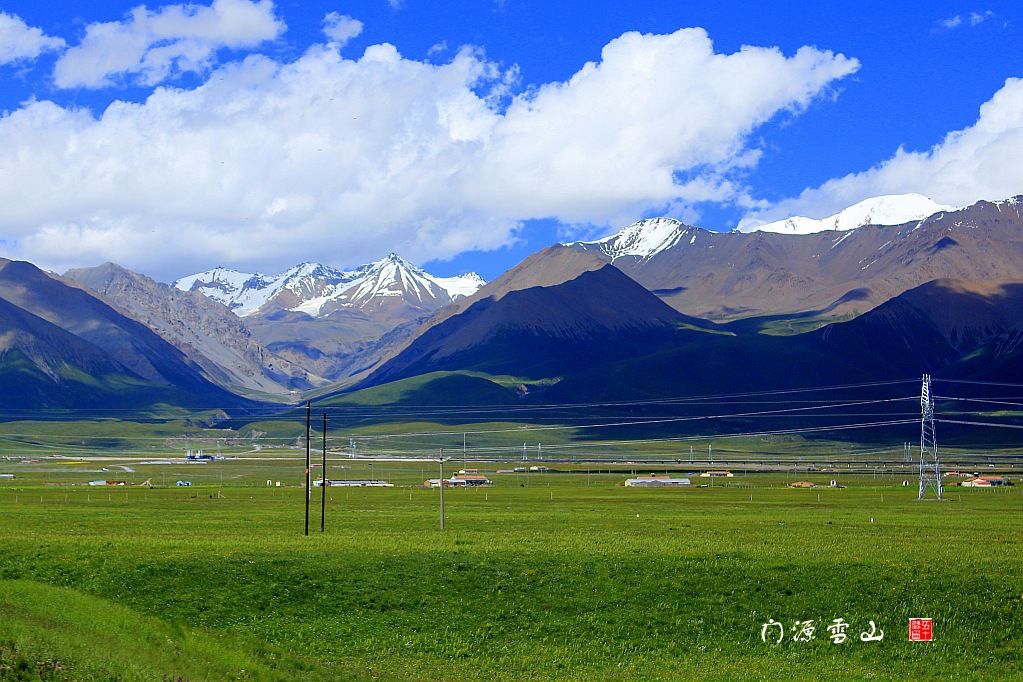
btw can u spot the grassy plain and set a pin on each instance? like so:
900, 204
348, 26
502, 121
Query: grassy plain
566, 576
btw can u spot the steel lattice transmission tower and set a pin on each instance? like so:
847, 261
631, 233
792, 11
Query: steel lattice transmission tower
930, 469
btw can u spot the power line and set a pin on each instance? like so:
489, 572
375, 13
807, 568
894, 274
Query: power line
971, 423
979, 383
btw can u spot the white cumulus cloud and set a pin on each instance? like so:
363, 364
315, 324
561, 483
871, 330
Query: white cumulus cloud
19, 41
979, 162
152, 45
660, 120
341, 160
341, 28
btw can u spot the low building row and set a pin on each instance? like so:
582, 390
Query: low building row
657, 481
459, 481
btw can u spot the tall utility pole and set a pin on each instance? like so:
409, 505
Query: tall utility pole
323, 479
930, 469
308, 463
441, 486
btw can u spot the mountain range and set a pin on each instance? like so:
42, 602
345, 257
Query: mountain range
318, 291
329, 321
628, 352
887, 289
820, 276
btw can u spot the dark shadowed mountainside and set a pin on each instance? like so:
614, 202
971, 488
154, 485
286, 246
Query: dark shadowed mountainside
947, 328
586, 313
96, 347
950, 328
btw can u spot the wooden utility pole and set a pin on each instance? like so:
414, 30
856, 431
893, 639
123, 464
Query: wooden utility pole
323, 479
308, 483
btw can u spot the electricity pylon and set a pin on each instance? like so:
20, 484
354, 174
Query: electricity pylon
930, 469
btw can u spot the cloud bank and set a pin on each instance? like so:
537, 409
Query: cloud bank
148, 46
268, 162
978, 162
20, 42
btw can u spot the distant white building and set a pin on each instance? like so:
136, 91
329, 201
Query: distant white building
353, 484
657, 482
459, 481
984, 482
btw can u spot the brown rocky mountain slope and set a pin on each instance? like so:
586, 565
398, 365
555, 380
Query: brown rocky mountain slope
206, 331
731, 275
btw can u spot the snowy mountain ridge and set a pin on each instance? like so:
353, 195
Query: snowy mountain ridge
892, 209
647, 238
642, 239
317, 290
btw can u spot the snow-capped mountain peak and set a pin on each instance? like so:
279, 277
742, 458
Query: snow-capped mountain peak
316, 289
245, 293
461, 286
642, 239
389, 277
892, 209
242, 292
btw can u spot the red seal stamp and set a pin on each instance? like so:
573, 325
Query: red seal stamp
920, 629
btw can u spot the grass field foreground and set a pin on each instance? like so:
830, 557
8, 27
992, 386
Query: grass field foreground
557, 580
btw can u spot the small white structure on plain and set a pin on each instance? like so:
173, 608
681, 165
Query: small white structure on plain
657, 481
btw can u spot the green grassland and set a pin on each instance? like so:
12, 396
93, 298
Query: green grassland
417, 437
87, 437
563, 575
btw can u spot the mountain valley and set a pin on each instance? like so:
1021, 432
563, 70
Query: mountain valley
659, 309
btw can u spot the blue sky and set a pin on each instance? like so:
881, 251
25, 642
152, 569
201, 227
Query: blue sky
171, 138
